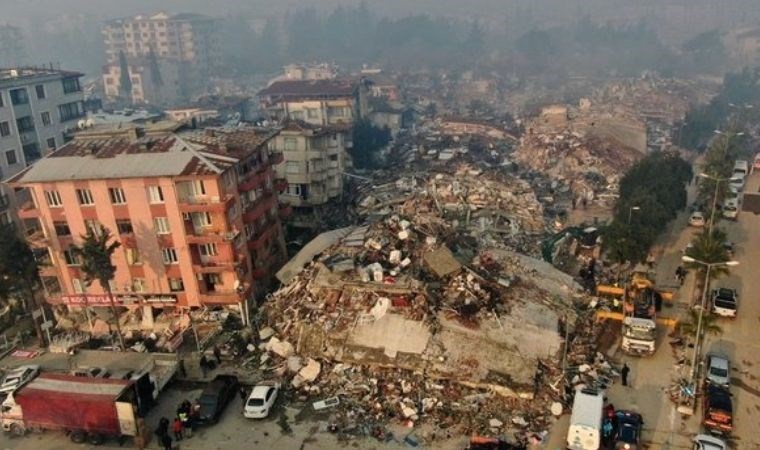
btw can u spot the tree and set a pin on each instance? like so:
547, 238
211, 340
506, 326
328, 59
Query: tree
709, 248
19, 270
709, 325
95, 253
125, 81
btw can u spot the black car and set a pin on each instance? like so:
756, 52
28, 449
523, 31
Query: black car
215, 397
628, 433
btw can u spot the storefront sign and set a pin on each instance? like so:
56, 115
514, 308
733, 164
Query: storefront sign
103, 300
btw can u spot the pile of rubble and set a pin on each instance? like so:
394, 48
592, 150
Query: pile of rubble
588, 165
388, 324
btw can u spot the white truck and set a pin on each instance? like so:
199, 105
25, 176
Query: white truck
639, 336
585, 432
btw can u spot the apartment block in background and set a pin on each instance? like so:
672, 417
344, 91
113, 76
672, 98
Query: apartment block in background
157, 86
38, 109
196, 213
190, 40
314, 161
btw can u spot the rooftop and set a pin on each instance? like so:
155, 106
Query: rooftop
311, 88
20, 73
139, 154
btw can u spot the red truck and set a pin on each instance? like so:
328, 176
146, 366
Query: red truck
88, 409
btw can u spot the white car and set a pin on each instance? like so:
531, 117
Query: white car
18, 377
697, 219
261, 400
731, 208
707, 442
736, 184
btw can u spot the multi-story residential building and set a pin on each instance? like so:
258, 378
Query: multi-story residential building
315, 159
156, 87
196, 213
38, 108
190, 41
316, 102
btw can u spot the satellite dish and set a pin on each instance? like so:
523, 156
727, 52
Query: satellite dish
81, 124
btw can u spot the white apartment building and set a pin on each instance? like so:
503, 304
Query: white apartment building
38, 107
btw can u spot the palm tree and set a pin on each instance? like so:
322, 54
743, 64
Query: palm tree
709, 247
709, 325
96, 252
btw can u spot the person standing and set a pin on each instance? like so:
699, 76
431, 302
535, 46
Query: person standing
177, 429
243, 394
204, 365
624, 373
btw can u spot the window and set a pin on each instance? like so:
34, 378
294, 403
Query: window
133, 256
291, 143
198, 188
161, 225
19, 96
155, 194
208, 249
31, 152
25, 124
93, 226
10, 157
124, 226
294, 189
78, 285
70, 111
201, 219
51, 143
72, 259
85, 197
312, 113
40, 89
45, 116
296, 115
292, 167
71, 85
138, 284
176, 285
117, 196
53, 198
5, 129
61, 228
169, 255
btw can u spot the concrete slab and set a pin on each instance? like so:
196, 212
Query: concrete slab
393, 333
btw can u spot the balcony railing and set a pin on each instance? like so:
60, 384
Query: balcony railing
205, 204
259, 207
27, 210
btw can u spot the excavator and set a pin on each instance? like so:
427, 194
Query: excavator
641, 301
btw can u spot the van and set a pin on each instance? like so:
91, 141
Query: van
586, 420
741, 168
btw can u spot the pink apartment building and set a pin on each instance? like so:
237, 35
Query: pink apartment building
196, 213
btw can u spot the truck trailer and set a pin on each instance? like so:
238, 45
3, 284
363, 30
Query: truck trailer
585, 431
87, 409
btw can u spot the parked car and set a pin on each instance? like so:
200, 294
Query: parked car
725, 302
261, 400
718, 410
736, 184
718, 370
18, 377
697, 219
215, 397
707, 442
741, 168
628, 433
731, 208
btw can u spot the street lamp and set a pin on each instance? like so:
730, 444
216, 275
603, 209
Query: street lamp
631, 210
709, 266
715, 196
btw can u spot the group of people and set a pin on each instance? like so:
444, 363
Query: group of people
182, 427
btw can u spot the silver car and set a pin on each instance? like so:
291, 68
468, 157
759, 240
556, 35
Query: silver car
707, 442
718, 370
18, 377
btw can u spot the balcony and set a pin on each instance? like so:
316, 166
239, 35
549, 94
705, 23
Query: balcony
225, 297
260, 238
48, 271
276, 158
208, 235
214, 266
280, 184
255, 179
205, 204
259, 207
28, 210
285, 211
36, 237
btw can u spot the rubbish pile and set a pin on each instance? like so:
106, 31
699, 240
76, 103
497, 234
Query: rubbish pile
401, 322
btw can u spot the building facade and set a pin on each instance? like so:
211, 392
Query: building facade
188, 41
38, 109
196, 213
315, 102
148, 86
314, 161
